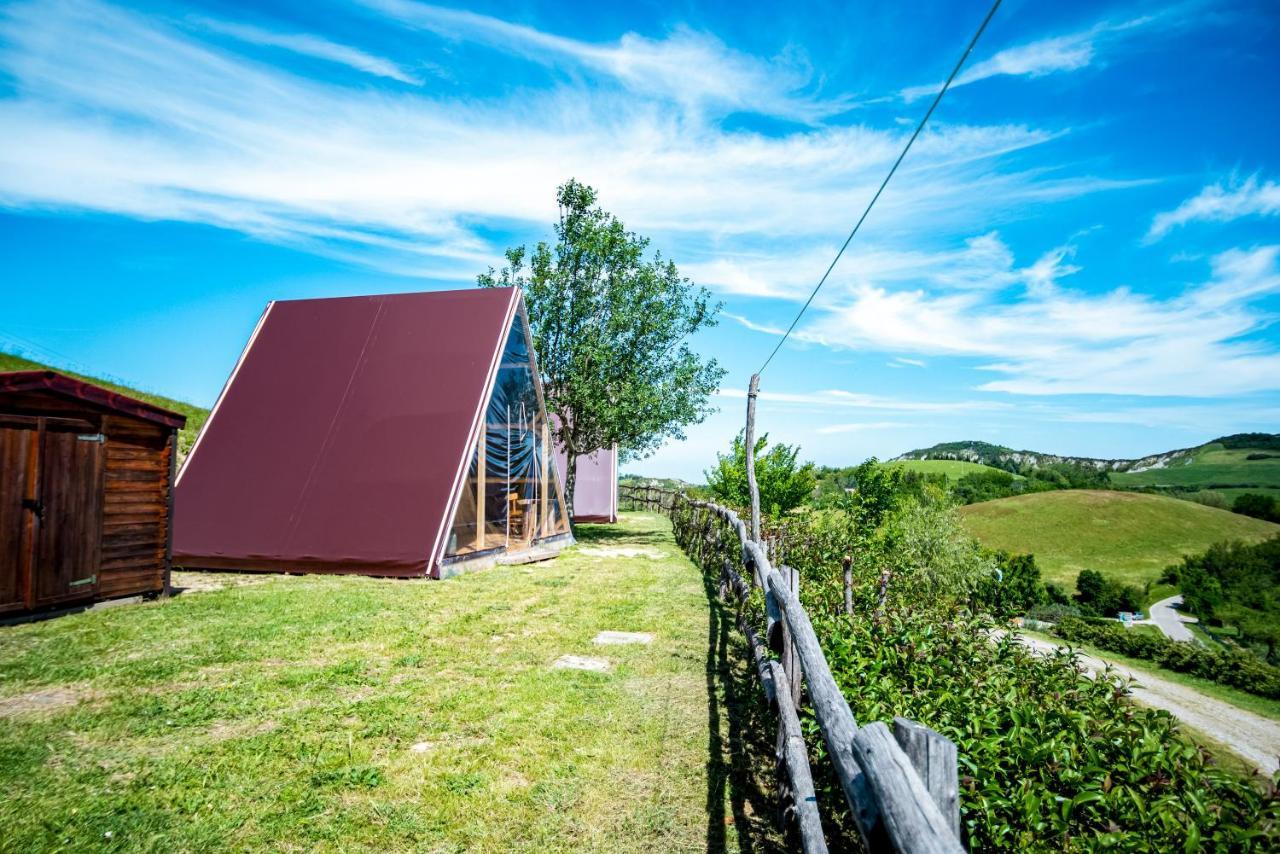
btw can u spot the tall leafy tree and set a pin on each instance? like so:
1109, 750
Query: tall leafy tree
611, 327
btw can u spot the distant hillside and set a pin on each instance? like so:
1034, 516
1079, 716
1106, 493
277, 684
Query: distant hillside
1229, 465
195, 415
1127, 535
953, 469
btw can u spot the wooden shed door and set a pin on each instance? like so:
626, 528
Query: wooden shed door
69, 543
51, 484
18, 448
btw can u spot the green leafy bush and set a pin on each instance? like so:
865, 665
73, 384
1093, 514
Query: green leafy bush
1049, 760
1233, 667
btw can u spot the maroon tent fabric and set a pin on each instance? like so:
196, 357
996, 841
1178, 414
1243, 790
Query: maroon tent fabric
339, 441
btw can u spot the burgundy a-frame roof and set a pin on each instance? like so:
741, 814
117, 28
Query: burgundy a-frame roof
340, 439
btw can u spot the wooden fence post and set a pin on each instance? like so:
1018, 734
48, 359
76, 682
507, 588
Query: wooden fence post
911, 819
934, 758
752, 391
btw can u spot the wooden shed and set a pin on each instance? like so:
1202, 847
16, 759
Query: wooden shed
86, 485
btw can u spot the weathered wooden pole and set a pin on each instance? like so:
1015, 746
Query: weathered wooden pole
848, 585
752, 391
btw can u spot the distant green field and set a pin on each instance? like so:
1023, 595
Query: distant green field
195, 415
1213, 467
1128, 536
953, 469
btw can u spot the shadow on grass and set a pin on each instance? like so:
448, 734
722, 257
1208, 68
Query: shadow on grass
593, 534
740, 768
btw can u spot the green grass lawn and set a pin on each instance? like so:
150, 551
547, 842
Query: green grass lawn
342, 713
195, 415
1128, 536
953, 469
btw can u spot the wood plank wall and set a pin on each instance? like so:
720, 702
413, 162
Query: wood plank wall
135, 510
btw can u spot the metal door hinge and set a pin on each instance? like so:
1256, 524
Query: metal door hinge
91, 437
83, 581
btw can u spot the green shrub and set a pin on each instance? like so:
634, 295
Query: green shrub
1049, 760
1052, 612
1233, 667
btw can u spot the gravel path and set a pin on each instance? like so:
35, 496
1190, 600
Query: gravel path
1252, 737
1169, 621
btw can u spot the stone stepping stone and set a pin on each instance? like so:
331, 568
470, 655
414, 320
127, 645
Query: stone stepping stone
617, 638
581, 662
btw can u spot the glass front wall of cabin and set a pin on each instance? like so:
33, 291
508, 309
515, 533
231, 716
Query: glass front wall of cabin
511, 496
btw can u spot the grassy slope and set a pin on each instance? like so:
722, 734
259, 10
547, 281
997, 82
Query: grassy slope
1128, 536
195, 415
1227, 470
953, 469
331, 713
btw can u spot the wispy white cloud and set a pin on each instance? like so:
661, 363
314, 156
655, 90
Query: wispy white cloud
904, 362
114, 111
1198, 343
1221, 202
838, 399
1041, 57
692, 68
861, 426
306, 44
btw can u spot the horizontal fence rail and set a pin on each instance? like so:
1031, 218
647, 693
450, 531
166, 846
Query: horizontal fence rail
901, 785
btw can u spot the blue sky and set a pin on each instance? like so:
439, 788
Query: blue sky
1081, 254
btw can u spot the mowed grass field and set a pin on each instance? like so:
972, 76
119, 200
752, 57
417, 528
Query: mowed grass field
1128, 536
196, 415
953, 469
1215, 468
354, 714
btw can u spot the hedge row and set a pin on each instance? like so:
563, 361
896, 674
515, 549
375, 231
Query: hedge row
1233, 667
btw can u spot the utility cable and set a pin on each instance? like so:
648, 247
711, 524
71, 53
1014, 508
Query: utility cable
968, 50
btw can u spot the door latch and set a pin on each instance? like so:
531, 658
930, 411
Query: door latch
83, 581
35, 505
91, 437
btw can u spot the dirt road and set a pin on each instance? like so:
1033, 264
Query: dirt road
1253, 737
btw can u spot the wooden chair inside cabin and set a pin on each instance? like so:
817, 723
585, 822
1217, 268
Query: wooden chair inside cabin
517, 516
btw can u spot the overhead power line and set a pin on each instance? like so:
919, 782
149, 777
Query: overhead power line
968, 50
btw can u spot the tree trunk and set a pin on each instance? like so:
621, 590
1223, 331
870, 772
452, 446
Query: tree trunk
570, 481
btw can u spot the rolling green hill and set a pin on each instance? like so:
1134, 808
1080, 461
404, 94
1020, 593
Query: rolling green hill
1128, 536
195, 415
1215, 467
953, 469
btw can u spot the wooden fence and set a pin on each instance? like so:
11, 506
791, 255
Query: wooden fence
902, 784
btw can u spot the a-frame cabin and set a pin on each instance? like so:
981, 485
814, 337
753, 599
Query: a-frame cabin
394, 435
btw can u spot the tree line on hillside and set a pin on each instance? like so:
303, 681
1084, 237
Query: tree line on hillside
985, 485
